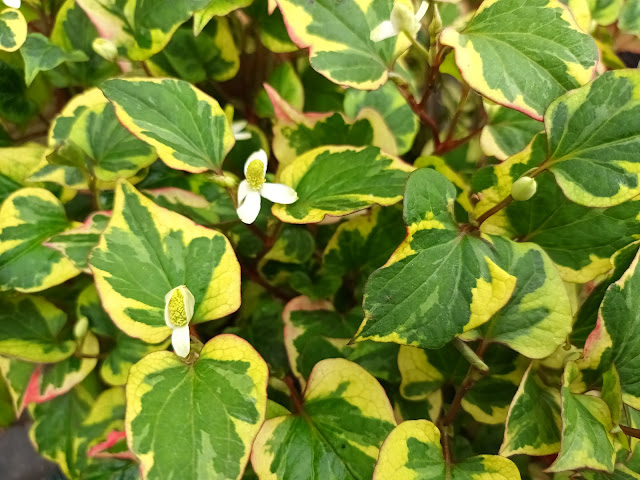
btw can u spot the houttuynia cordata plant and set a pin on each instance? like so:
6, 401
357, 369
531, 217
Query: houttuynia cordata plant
322, 239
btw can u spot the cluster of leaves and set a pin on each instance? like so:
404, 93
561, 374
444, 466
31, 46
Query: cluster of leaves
453, 295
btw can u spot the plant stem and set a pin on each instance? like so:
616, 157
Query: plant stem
275, 291
419, 110
630, 431
464, 95
296, 400
470, 356
423, 51
469, 380
495, 209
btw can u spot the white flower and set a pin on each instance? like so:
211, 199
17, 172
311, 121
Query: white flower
402, 20
12, 3
255, 186
239, 133
178, 311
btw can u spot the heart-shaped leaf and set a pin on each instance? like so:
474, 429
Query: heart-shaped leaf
146, 251
166, 399
523, 55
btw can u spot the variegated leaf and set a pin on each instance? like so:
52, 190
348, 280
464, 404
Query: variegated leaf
340, 180
187, 127
523, 54
564, 229
16, 165
413, 450
439, 283
534, 421
76, 243
594, 137
609, 343
337, 35
587, 441
33, 329
28, 217
630, 17
146, 251
508, 132
230, 378
344, 419
13, 29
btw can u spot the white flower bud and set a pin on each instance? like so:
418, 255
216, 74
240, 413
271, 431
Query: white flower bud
523, 189
403, 19
105, 48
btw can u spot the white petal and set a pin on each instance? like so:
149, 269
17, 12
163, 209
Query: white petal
249, 209
279, 193
238, 126
243, 191
422, 11
181, 341
242, 136
12, 3
259, 155
383, 31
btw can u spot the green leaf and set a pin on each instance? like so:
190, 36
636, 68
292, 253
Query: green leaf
271, 27
508, 132
605, 12
16, 165
13, 30
229, 377
219, 8
291, 251
586, 426
350, 178
313, 331
187, 127
146, 251
17, 104
27, 218
211, 55
50, 381
296, 133
346, 416
76, 243
40, 55
413, 450
33, 329
587, 315
424, 372
56, 424
140, 28
609, 343
537, 318
284, 80
534, 422
112, 152
439, 283
7, 414
17, 376
391, 105
337, 35
73, 31
630, 17
593, 140
523, 55
364, 243
565, 230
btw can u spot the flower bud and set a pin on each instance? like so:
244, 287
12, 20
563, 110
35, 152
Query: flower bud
80, 328
435, 27
523, 189
178, 311
105, 48
225, 180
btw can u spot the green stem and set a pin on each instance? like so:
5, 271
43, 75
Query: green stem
423, 51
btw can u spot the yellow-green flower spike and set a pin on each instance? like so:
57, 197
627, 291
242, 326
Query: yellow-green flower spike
255, 174
177, 312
